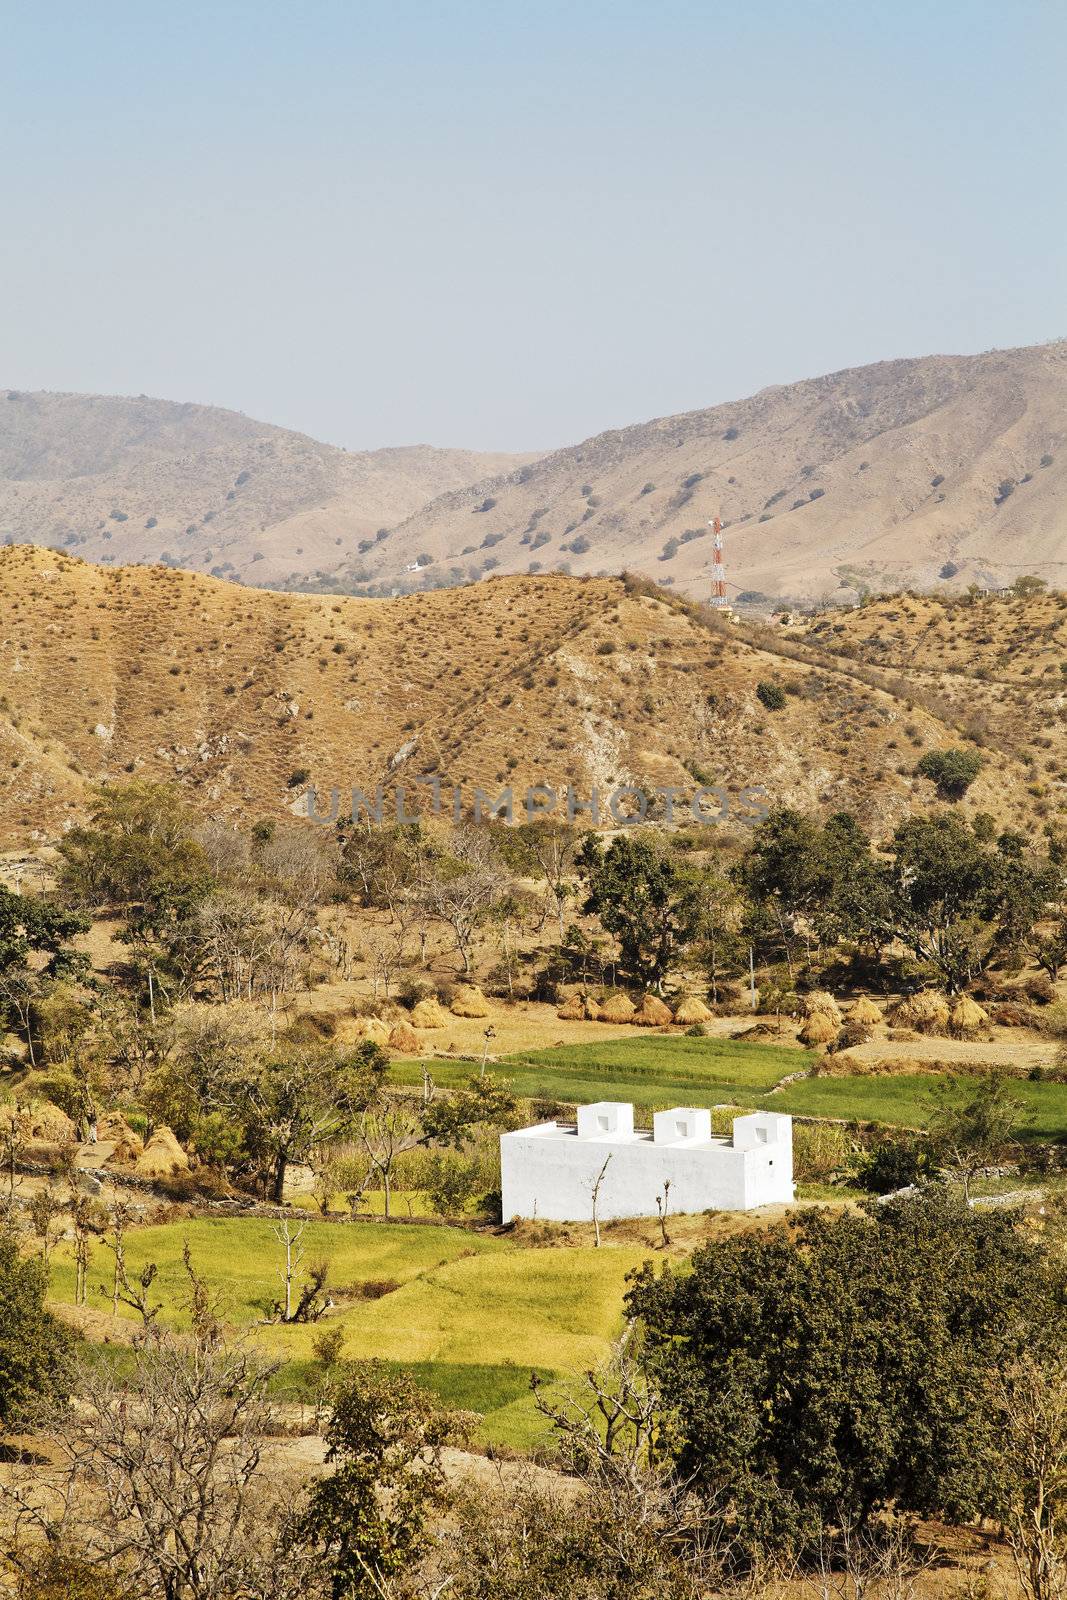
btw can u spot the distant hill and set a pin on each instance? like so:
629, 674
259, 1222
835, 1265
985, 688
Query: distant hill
941, 469
875, 477
242, 696
119, 480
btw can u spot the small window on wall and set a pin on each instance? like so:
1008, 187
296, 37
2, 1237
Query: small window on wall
603, 1124
681, 1129
761, 1136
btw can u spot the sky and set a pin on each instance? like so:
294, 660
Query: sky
512, 225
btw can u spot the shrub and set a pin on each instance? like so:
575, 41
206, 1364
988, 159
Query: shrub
772, 695
953, 771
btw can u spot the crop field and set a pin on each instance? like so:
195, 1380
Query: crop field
469, 1314
660, 1071
653, 1071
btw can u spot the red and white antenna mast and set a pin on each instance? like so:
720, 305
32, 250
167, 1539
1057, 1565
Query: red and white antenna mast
718, 588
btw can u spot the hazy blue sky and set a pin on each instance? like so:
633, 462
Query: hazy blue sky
512, 225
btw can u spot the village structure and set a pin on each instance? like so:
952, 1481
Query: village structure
564, 1173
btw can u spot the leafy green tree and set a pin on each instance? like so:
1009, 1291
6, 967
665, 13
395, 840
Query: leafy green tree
35, 1348
953, 771
370, 1516
956, 901
975, 1124
301, 1099
829, 1369
137, 852
644, 897
31, 923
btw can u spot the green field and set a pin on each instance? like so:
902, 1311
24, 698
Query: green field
652, 1072
658, 1071
472, 1314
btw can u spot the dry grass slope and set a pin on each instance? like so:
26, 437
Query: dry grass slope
240, 694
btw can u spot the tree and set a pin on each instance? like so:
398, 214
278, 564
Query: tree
369, 1516
31, 923
842, 1365
975, 1123
955, 900
953, 771
393, 1124
1030, 1398
462, 888
646, 899
36, 1349
553, 848
138, 853
171, 1463
302, 1099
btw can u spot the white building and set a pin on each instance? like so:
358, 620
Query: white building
549, 1171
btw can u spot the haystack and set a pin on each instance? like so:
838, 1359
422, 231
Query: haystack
865, 1011
821, 1003
405, 1040
470, 1002
114, 1129
967, 1017
162, 1156
819, 1028
49, 1124
652, 1013
372, 1028
616, 1008
926, 1011
428, 1014
692, 1010
572, 1010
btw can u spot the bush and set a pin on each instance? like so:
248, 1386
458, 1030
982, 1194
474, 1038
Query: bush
953, 771
772, 695
893, 1164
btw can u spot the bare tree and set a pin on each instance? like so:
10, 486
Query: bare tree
462, 889
290, 1238
1032, 1398
386, 1131
662, 1204
171, 1465
595, 1193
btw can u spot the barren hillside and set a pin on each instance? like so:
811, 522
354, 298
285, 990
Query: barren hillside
242, 695
119, 480
1000, 663
905, 471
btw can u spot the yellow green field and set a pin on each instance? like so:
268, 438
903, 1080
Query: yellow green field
471, 1314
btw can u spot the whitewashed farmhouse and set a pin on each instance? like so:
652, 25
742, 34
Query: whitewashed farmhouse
549, 1171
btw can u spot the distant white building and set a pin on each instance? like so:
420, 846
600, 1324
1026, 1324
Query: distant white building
549, 1171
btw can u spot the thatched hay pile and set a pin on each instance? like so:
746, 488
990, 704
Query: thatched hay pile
372, 1028
616, 1008
114, 1129
652, 1013
926, 1012
572, 1010
692, 1010
470, 1002
428, 1014
866, 1012
405, 1040
49, 1124
819, 1028
820, 1003
162, 1156
968, 1018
